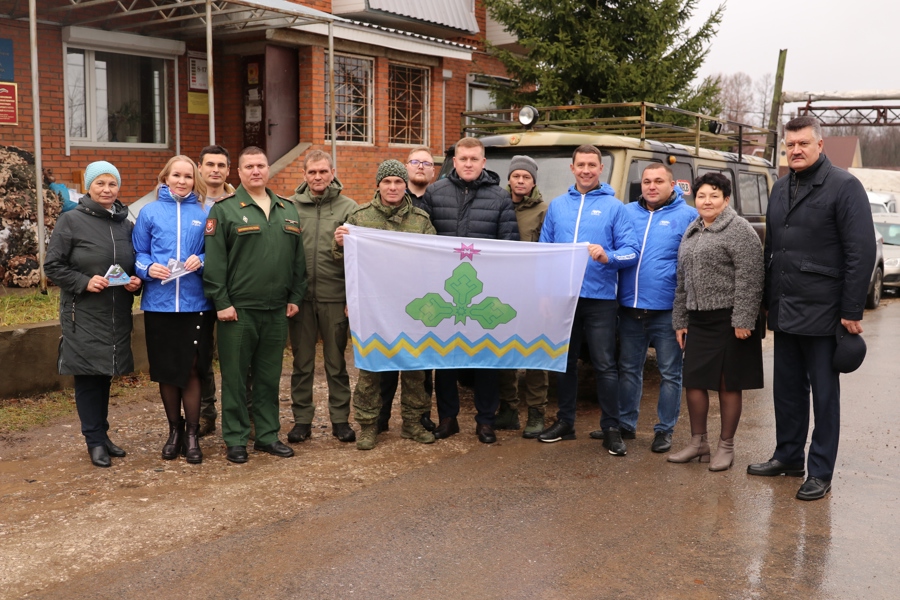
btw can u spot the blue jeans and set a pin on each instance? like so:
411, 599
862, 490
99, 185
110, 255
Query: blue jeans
595, 322
636, 331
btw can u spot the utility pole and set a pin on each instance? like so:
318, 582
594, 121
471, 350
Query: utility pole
776, 106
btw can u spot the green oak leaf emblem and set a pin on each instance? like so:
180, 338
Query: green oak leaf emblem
463, 286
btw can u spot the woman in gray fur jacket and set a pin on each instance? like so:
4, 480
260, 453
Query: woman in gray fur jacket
717, 299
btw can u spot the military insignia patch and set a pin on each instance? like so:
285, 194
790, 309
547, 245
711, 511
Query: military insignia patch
247, 229
292, 229
210, 227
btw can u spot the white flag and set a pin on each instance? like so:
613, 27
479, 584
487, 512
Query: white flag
439, 302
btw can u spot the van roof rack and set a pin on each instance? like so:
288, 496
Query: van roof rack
642, 120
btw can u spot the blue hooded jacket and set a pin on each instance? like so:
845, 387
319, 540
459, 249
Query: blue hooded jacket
168, 229
650, 284
597, 217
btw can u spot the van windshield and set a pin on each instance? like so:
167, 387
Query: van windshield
554, 175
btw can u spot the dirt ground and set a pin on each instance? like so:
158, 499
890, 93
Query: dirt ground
60, 516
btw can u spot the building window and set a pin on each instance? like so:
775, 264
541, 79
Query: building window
408, 92
353, 98
118, 98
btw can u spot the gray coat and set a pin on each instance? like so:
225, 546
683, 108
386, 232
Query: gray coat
96, 327
720, 266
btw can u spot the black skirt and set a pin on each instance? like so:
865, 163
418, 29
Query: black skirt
712, 350
174, 340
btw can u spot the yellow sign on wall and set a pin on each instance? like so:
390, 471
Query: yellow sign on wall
198, 103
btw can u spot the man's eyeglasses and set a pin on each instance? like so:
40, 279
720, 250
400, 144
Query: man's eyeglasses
421, 163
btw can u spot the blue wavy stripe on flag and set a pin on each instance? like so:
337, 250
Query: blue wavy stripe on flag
431, 352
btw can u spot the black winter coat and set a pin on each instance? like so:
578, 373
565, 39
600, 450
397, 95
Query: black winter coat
819, 253
96, 327
476, 209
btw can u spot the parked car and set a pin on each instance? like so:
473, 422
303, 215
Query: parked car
888, 225
882, 202
876, 283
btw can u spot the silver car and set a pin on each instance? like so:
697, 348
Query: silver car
888, 225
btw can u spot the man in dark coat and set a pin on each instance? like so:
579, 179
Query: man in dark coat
820, 252
469, 203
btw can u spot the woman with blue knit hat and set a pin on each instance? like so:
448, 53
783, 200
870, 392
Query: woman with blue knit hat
91, 259
178, 318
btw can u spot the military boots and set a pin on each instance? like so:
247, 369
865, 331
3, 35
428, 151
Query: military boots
367, 437
535, 424
507, 417
413, 430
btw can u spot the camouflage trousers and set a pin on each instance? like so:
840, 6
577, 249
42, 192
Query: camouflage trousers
536, 384
367, 396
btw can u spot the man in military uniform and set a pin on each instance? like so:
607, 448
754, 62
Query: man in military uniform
391, 209
322, 208
530, 210
255, 273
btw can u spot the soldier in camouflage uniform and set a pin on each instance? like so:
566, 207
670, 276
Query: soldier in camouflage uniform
530, 211
391, 209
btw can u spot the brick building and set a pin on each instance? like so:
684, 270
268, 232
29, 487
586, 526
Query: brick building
129, 85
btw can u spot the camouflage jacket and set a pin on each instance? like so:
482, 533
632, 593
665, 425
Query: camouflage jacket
404, 217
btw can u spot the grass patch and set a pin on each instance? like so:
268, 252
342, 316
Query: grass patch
35, 307
22, 414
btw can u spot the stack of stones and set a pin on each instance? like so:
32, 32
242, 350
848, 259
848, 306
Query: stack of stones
18, 218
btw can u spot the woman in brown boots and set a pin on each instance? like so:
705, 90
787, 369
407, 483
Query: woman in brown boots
717, 298
178, 318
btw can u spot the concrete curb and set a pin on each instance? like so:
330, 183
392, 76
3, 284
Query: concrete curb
28, 355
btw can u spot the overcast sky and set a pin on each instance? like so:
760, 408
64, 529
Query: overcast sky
833, 45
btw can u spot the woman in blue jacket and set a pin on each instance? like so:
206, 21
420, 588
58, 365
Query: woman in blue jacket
178, 318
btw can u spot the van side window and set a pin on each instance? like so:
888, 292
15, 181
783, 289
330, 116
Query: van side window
635, 170
749, 194
763, 193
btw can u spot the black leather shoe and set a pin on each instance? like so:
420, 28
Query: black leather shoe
612, 441
99, 456
237, 454
300, 433
813, 489
627, 434
560, 430
343, 432
114, 450
448, 426
485, 433
382, 425
427, 423
774, 467
662, 442
276, 448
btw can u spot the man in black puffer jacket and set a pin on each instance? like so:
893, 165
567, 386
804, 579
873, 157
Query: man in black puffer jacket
469, 203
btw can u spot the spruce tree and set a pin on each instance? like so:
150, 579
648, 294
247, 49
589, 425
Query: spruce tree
598, 51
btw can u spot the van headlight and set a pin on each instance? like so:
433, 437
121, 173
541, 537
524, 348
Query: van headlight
528, 115
892, 262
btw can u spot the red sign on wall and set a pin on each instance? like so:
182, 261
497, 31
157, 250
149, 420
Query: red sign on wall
9, 104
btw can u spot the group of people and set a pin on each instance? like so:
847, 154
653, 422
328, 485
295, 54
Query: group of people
694, 282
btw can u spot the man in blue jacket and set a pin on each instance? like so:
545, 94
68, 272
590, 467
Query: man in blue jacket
590, 212
646, 293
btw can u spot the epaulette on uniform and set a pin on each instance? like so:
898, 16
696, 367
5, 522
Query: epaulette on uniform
226, 197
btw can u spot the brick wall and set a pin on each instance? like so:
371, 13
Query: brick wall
138, 168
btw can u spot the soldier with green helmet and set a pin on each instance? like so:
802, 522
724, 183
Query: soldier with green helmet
530, 211
255, 274
391, 209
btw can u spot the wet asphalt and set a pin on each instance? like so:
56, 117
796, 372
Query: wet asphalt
522, 519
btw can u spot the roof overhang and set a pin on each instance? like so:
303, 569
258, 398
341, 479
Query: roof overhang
185, 19
365, 33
